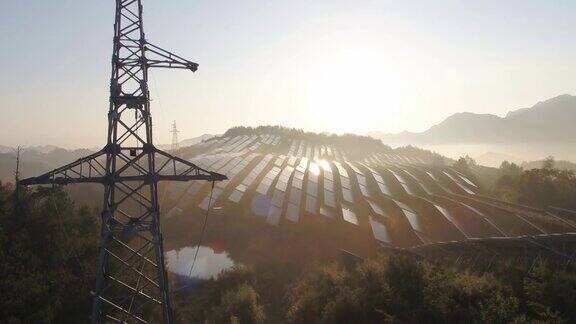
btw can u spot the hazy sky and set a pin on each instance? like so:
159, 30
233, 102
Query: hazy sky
324, 65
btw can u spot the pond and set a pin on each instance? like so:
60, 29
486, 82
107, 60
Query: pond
209, 262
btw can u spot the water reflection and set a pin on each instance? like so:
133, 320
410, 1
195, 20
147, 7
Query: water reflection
209, 262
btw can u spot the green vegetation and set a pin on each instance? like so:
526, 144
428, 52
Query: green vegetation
48, 251
230, 299
46, 270
426, 155
350, 141
544, 187
389, 288
399, 289
466, 165
356, 146
562, 165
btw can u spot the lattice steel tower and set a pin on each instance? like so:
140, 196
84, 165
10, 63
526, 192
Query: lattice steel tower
174, 131
131, 283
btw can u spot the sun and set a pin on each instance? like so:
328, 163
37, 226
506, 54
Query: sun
353, 90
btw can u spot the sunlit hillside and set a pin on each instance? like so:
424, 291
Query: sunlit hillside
401, 197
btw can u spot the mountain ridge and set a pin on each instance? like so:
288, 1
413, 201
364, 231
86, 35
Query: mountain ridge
551, 120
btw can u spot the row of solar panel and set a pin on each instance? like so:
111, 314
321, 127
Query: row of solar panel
234, 165
301, 148
413, 181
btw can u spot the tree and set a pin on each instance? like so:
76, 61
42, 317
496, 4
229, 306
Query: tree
543, 187
548, 163
550, 294
239, 305
400, 289
506, 186
465, 165
47, 250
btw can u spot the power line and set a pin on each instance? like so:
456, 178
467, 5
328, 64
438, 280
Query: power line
67, 236
203, 229
128, 166
201, 238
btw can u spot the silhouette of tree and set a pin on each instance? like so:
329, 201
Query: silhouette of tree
47, 250
538, 187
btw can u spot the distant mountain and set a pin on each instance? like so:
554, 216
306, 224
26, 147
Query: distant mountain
195, 140
5, 149
494, 159
34, 162
37, 148
551, 121
188, 141
43, 148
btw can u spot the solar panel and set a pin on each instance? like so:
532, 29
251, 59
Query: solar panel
413, 220
264, 186
384, 188
312, 188
276, 140
329, 185
326, 212
379, 230
376, 208
347, 195
236, 196
365, 192
297, 183
274, 215
277, 198
448, 216
468, 181
345, 182
280, 160
349, 216
377, 177
204, 204
293, 213
294, 196
329, 199
411, 216
311, 204
292, 160
458, 183
328, 176
423, 186
432, 175
341, 170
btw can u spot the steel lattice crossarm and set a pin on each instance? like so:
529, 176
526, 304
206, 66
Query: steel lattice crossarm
164, 59
157, 57
91, 169
131, 281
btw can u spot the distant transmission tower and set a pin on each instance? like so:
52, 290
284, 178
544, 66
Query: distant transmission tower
175, 146
131, 283
17, 171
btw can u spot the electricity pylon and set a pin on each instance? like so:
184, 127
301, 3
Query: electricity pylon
174, 131
131, 283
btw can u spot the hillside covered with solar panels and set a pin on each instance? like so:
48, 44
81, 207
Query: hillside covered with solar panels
354, 186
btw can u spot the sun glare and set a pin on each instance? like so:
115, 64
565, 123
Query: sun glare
314, 169
353, 90
324, 164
